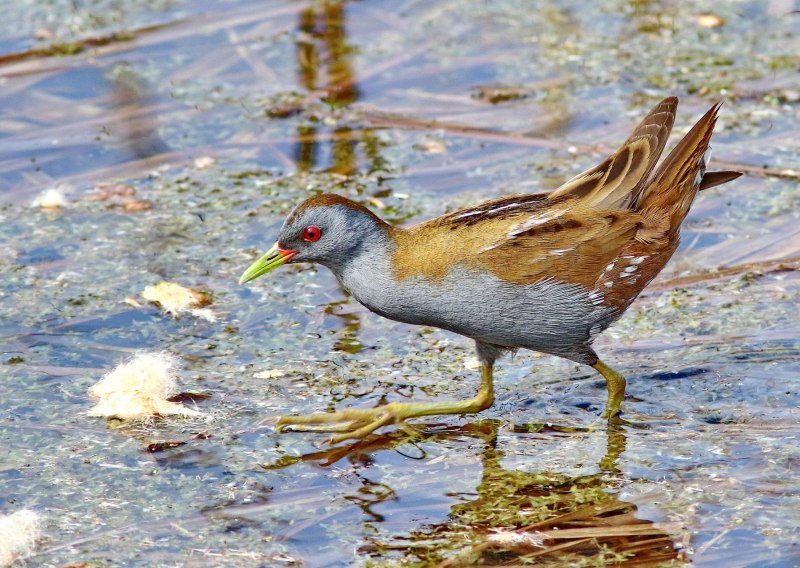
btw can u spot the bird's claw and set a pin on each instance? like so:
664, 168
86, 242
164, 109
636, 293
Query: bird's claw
353, 424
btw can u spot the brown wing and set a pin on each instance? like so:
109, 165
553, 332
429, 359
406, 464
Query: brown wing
572, 244
560, 239
617, 182
431, 248
586, 232
500, 208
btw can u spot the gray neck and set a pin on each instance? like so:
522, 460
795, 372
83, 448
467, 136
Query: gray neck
367, 275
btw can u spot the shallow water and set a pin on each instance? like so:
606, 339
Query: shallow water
212, 119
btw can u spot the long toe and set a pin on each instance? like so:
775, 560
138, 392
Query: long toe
352, 424
332, 427
362, 432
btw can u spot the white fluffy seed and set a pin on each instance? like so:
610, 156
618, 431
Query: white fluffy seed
138, 389
18, 535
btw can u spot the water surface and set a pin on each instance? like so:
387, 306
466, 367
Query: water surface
181, 133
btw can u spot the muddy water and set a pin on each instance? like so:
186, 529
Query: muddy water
180, 134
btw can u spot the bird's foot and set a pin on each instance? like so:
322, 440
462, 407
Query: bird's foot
356, 423
603, 420
614, 421
611, 410
352, 424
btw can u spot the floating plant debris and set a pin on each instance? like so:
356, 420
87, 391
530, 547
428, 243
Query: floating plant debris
139, 389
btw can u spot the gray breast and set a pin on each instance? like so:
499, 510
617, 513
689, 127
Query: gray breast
548, 316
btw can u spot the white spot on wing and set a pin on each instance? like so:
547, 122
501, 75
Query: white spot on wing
489, 210
533, 221
559, 252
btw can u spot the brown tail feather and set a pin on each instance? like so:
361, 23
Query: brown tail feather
656, 126
617, 182
677, 180
713, 179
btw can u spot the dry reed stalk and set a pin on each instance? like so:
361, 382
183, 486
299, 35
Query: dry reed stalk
414, 123
80, 44
780, 239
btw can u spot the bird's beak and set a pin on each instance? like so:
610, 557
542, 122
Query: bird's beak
273, 258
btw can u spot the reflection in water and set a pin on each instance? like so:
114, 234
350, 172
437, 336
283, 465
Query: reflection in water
515, 516
370, 494
135, 114
342, 88
325, 71
347, 337
648, 17
306, 149
322, 29
343, 154
547, 516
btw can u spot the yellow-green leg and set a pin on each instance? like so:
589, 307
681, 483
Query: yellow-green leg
616, 388
357, 423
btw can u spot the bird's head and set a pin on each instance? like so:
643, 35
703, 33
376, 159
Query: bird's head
328, 229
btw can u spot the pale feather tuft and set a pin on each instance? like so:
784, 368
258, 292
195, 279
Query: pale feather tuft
18, 535
52, 198
138, 389
177, 300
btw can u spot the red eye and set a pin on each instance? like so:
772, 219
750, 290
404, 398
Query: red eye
312, 234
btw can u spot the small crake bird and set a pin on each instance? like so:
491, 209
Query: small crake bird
547, 272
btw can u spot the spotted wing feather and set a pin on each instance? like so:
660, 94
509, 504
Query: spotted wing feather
571, 243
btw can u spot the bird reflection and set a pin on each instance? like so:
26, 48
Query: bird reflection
515, 516
134, 107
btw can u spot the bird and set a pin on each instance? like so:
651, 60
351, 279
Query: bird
547, 272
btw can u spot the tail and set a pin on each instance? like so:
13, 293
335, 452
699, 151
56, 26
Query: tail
671, 189
713, 179
617, 182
